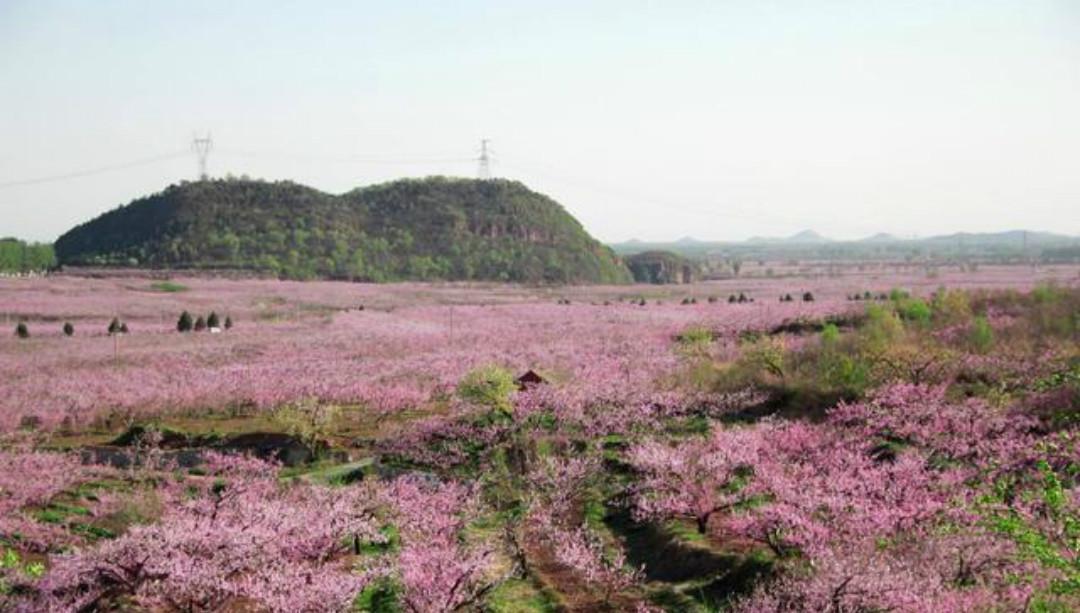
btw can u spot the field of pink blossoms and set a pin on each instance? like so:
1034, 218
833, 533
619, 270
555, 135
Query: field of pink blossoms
685, 453
295, 341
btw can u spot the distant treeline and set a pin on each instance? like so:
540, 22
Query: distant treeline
18, 256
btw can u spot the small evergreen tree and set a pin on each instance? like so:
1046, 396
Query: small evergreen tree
184, 323
228, 322
21, 330
123, 328
212, 320
69, 329
200, 324
114, 326
808, 297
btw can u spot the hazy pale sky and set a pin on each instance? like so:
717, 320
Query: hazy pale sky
656, 120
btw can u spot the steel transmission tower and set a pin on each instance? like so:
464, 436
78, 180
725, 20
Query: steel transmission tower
202, 146
484, 171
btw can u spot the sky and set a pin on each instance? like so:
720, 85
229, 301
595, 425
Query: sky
717, 119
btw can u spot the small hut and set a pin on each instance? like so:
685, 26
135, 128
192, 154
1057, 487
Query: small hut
530, 379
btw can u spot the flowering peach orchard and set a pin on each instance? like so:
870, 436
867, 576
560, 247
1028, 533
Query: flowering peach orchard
884, 441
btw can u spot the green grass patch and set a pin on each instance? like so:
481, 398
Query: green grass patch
91, 531
595, 512
168, 287
379, 597
520, 596
392, 542
685, 531
329, 472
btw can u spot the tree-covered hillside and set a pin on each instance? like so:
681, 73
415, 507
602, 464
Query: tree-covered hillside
422, 229
661, 267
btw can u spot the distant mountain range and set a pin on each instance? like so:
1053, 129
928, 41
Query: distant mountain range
811, 242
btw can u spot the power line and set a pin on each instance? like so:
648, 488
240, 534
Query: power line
345, 159
721, 211
93, 171
202, 147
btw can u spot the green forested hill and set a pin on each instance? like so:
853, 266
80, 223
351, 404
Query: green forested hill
434, 228
661, 267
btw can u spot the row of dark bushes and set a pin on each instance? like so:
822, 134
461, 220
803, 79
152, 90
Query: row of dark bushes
186, 323
198, 324
115, 327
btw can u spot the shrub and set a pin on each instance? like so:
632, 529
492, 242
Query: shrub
830, 335
981, 335
212, 321
914, 310
68, 328
488, 386
846, 373
951, 307
1054, 312
200, 324
695, 341
882, 328
184, 324
228, 322
124, 328
114, 326
21, 330
766, 355
808, 297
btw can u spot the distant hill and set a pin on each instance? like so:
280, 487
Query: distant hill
880, 237
661, 267
808, 236
417, 229
801, 238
